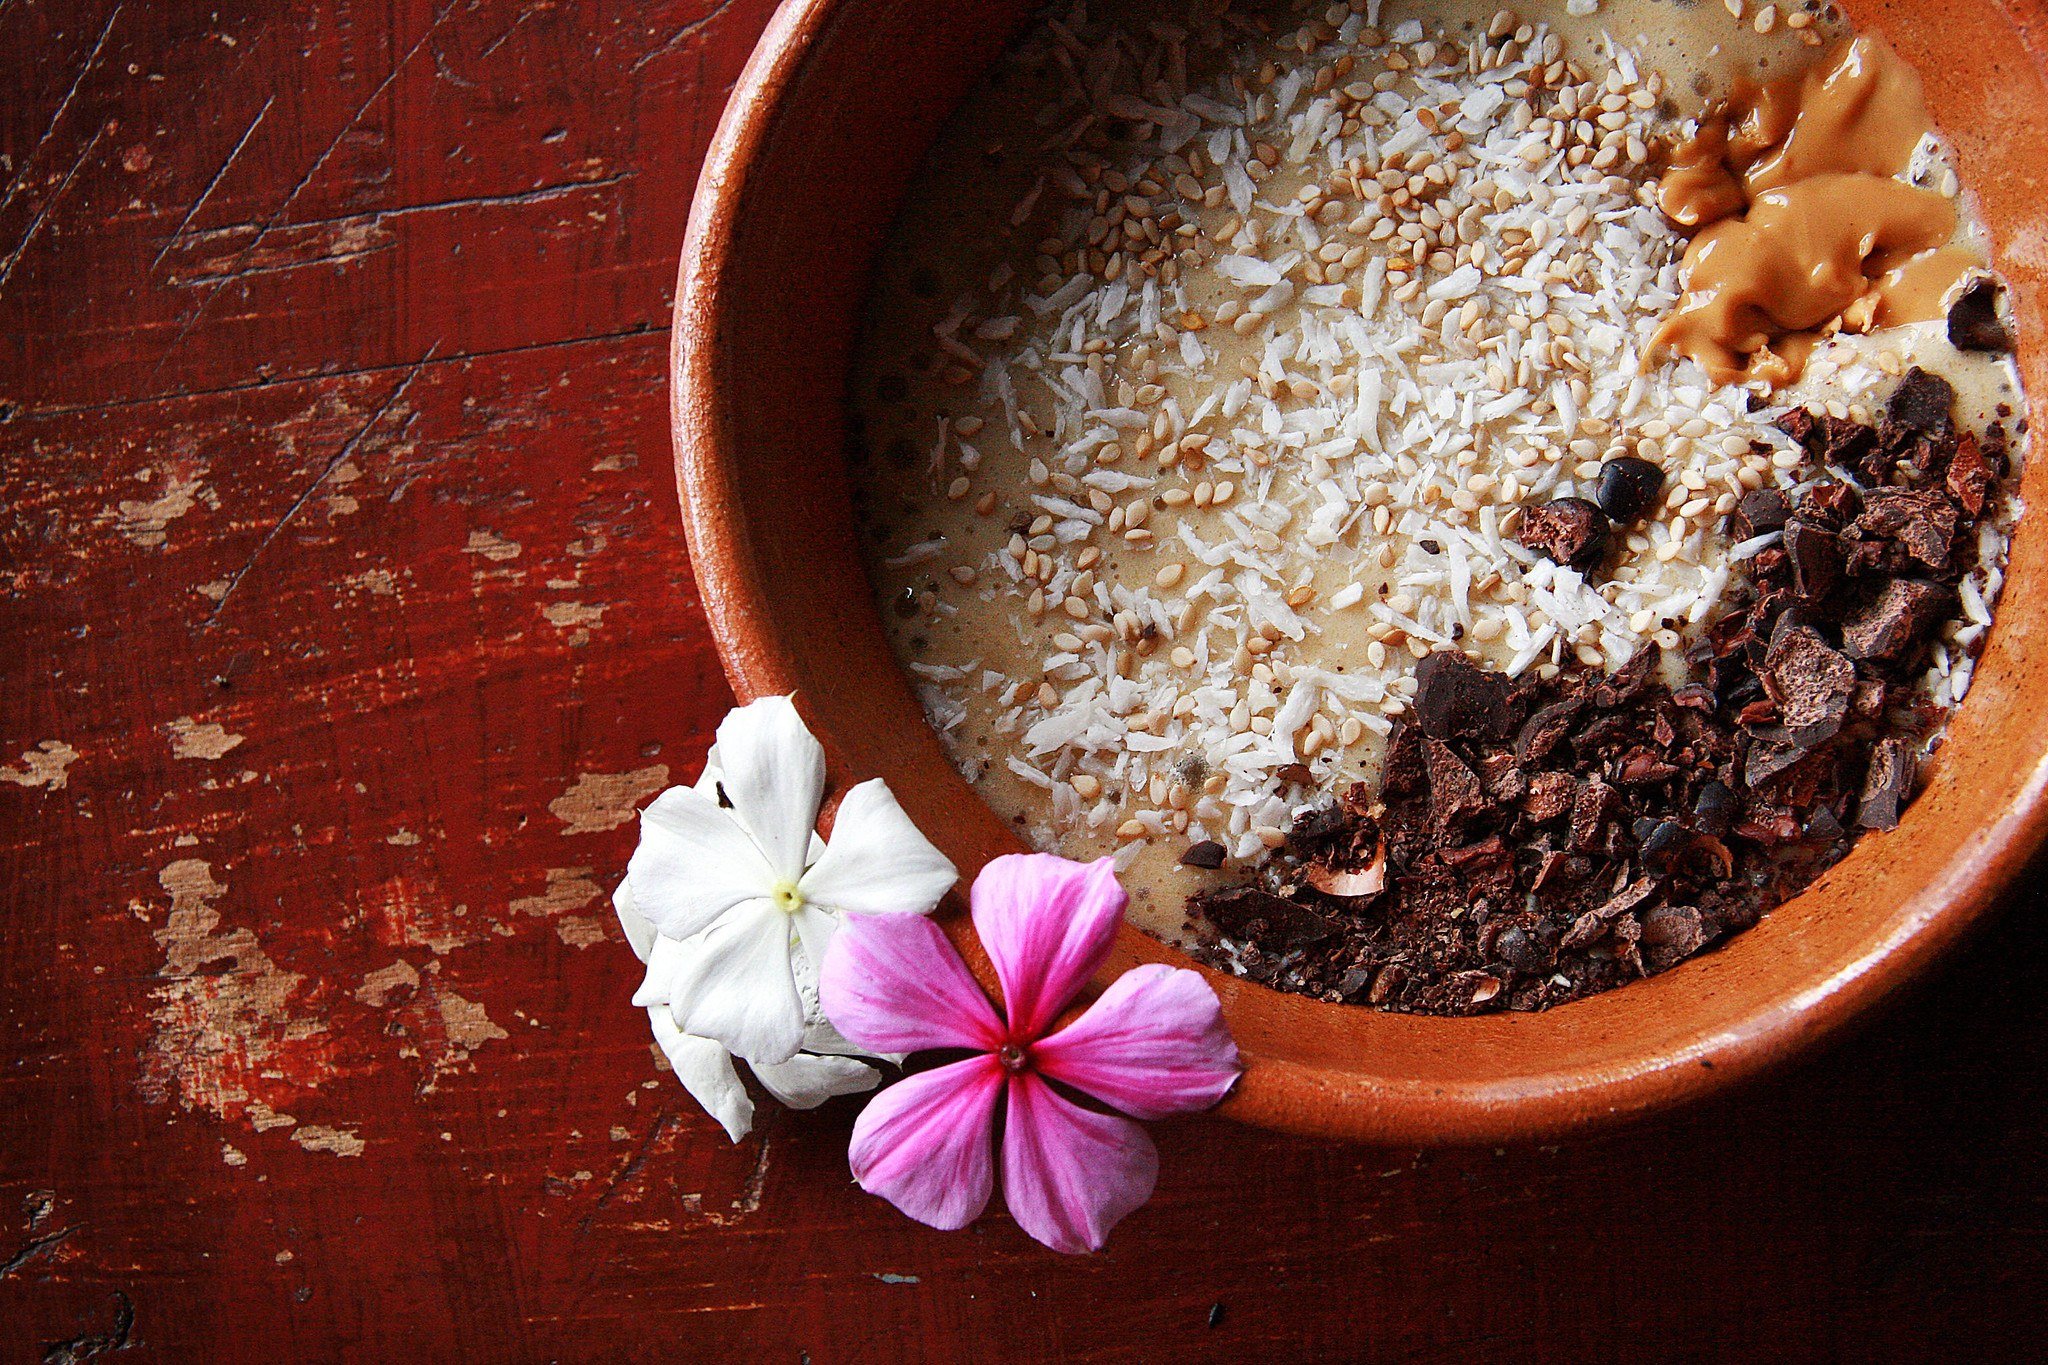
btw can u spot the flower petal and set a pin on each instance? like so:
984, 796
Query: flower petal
805, 1082
664, 960
706, 1071
1154, 1044
894, 984
774, 775
639, 929
924, 1144
693, 864
1047, 923
1071, 1174
877, 863
735, 984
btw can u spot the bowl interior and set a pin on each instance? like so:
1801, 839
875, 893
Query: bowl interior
838, 106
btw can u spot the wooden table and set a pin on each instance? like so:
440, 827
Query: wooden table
347, 620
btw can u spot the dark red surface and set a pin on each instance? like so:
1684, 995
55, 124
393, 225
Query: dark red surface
308, 316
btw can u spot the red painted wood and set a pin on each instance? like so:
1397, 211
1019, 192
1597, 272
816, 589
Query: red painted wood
343, 429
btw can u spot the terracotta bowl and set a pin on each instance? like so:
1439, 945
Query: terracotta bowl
830, 119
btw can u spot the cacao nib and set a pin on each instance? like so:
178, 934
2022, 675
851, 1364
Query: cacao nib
1973, 322
1888, 785
1902, 614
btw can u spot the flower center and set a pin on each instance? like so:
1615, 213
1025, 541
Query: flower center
787, 897
1013, 1057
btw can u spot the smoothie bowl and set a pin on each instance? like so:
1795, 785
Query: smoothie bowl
1494, 518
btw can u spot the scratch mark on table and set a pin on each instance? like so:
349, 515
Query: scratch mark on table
35, 1249
218, 176
43, 212
87, 1345
683, 34
92, 59
291, 196
348, 448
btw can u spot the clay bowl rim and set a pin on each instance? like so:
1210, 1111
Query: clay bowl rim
1276, 1092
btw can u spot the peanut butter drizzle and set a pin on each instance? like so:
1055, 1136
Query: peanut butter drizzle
1801, 226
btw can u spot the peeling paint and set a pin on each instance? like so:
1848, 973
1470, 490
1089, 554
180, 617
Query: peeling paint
316, 1137
492, 546
568, 888
380, 986
147, 523
190, 739
600, 801
376, 582
581, 931
567, 615
43, 766
224, 1032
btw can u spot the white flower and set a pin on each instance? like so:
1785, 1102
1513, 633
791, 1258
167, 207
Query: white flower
744, 895
826, 1067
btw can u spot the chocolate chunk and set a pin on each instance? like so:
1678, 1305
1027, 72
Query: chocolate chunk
1542, 732
1503, 780
1765, 760
1626, 683
1810, 682
1715, 808
1969, 475
1522, 950
1590, 927
1829, 505
1247, 912
1628, 488
1922, 519
1592, 806
1550, 795
1207, 854
1816, 557
1571, 531
1897, 619
1921, 403
1457, 699
1888, 785
1454, 791
1404, 772
1671, 933
1760, 512
1973, 323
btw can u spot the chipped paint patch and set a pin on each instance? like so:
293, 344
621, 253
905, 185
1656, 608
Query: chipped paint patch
492, 546
410, 912
230, 1033
315, 1137
404, 838
232, 1155
147, 523
43, 766
568, 888
581, 931
380, 986
376, 582
600, 801
190, 739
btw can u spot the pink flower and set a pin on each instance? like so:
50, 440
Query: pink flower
1153, 1044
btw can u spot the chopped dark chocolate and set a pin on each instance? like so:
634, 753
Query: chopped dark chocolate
1888, 785
1539, 840
1671, 933
1208, 855
1904, 612
1760, 512
1457, 699
1816, 558
1973, 322
1571, 531
1811, 684
1628, 488
1922, 402
1922, 519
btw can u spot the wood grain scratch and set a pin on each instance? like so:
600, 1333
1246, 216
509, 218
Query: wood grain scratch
348, 448
218, 176
92, 59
